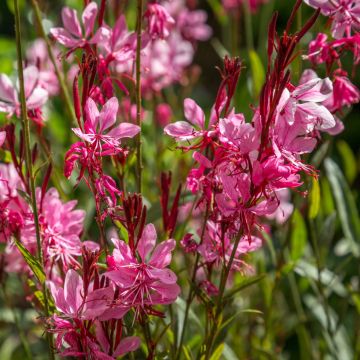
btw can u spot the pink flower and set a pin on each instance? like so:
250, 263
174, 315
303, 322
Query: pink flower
61, 226
72, 35
73, 302
159, 21
235, 132
345, 92
189, 22
35, 95
285, 209
117, 42
97, 123
145, 280
127, 344
217, 249
182, 130
303, 104
345, 15
2, 137
163, 114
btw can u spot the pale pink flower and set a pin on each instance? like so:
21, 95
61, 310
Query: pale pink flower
97, 124
285, 209
182, 130
145, 280
73, 302
217, 249
61, 225
345, 93
117, 42
35, 95
72, 35
163, 114
159, 21
345, 15
37, 55
2, 137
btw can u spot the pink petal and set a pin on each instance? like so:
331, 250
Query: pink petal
31, 77
92, 112
193, 113
181, 130
7, 91
116, 312
58, 295
37, 99
64, 37
124, 130
89, 17
124, 277
108, 114
161, 256
97, 302
2, 137
71, 21
166, 276
101, 337
126, 345
320, 112
147, 241
73, 288
245, 246
315, 90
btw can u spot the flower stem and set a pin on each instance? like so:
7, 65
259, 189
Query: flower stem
219, 305
60, 77
190, 297
28, 160
139, 165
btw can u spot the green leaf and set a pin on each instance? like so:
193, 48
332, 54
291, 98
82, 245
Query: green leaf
298, 238
243, 285
257, 72
345, 204
314, 199
329, 279
239, 313
32, 262
218, 352
348, 160
187, 353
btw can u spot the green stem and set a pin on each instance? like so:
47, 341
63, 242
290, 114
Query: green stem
219, 305
28, 161
248, 26
59, 75
139, 165
191, 291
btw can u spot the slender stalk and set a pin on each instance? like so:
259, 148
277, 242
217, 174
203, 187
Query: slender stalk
139, 165
191, 291
219, 305
28, 161
248, 26
59, 75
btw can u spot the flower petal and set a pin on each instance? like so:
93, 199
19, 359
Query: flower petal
71, 21
194, 113
73, 288
161, 256
181, 130
124, 130
108, 114
147, 241
130, 343
64, 37
89, 17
